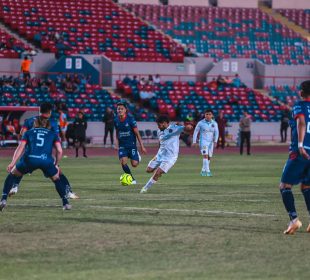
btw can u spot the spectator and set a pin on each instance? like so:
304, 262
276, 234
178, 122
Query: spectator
108, 119
127, 80
213, 84
25, 68
150, 80
134, 81
236, 82
284, 125
245, 132
80, 126
157, 79
220, 81
142, 82
221, 122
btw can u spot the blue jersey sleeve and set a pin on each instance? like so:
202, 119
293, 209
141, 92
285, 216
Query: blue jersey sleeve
25, 137
298, 110
133, 122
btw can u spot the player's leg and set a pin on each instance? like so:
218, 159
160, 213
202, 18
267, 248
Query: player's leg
210, 154
9, 182
123, 159
15, 187
135, 159
293, 173
305, 189
205, 161
69, 191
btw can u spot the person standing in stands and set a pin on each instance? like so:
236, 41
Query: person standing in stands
245, 132
221, 122
25, 68
80, 126
108, 119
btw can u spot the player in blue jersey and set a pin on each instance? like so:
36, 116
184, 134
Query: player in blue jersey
297, 167
35, 152
46, 112
127, 134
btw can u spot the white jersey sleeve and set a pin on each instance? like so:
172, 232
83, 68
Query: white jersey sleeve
216, 132
196, 131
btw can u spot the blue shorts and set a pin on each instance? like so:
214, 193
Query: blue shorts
296, 170
131, 153
28, 165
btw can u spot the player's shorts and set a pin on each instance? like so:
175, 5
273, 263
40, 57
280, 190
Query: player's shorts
206, 148
131, 153
164, 165
296, 170
29, 164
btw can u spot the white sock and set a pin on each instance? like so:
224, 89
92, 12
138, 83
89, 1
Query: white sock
149, 184
209, 161
205, 164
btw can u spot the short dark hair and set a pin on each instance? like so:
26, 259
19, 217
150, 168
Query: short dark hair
121, 103
209, 111
305, 88
45, 108
162, 119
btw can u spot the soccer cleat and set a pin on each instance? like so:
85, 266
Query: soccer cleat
134, 182
143, 190
13, 191
203, 173
293, 226
209, 174
2, 204
67, 207
72, 195
308, 228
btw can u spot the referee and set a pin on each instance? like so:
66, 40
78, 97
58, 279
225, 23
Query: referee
80, 126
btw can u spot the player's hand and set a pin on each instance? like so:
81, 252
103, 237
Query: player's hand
303, 153
10, 167
143, 150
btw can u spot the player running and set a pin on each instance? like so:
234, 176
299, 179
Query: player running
127, 134
35, 152
168, 152
297, 167
46, 112
209, 134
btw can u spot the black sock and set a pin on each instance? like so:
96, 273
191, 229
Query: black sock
306, 193
65, 181
288, 200
8, 184
61, 189
127, 170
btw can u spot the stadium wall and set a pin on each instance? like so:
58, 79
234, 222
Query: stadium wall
238, 3
149, 2
202, 3
288, 4
260, 132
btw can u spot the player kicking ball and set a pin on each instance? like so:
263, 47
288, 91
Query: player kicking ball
208, 136
168, 152
297, 167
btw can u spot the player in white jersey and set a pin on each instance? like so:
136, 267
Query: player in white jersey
168, 151
208, 136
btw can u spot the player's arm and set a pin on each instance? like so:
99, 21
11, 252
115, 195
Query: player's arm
177, 130
216, 133
58, 148
17, 154
301, 131
196, 131
136, 132
116, 139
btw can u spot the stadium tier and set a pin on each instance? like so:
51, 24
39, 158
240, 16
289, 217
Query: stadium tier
228, 32
89, 27
178, 99
286, 94
10, 47
299, 17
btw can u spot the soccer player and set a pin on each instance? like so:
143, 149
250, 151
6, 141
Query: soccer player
127, 134
46, 112
168, 152
208, 137
35, 152
297, 167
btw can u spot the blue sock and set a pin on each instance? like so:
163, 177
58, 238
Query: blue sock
306, 193
17, 181
288, 200
65, 181
61, 189
127, 170
8, 184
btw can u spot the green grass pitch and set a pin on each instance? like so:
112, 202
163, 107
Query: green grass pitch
187, 227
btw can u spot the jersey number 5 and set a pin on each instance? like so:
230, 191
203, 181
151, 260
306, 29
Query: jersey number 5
40, 138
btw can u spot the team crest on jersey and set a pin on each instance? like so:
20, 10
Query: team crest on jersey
126, 124
170, 130
212, 125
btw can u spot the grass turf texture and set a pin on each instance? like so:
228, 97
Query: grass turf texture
187, 227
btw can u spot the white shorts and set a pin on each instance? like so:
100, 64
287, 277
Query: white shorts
163, 165
206, 149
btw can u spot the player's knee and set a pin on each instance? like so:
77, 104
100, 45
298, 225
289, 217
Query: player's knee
16, 173
158, 174
285, 186
134, 163
304, 187
149, 170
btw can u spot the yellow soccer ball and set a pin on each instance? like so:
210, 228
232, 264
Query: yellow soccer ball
126, 179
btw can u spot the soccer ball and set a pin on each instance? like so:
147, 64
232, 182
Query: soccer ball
126, 179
